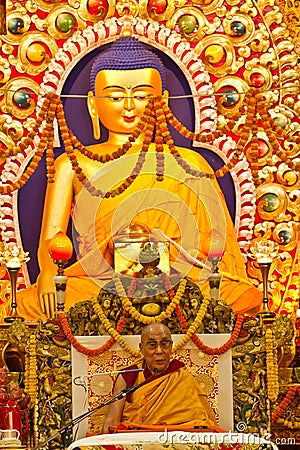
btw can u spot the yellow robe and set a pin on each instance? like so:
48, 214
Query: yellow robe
175, 398
186, 208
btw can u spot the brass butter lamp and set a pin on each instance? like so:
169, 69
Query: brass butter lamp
13, 257
60, 249
264, 251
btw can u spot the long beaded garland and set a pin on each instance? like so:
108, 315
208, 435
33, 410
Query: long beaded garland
130, 309
272, 366
31, 364
285, 402
156, 112
190, 332
87, 351
31, 383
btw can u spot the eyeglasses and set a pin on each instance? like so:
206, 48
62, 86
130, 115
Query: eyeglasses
153, 345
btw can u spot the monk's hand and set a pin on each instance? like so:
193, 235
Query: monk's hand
46, 293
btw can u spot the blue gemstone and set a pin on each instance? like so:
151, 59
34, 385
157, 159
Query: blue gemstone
232, 97
285, 236
22, 99
271, 202
238, 28
15, 25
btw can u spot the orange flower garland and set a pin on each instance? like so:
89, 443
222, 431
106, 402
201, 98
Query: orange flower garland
285, 402
227, 345
188, 330
25, 143
81, 348
69, 139
160, 128
205, 348
156, 112
129, 308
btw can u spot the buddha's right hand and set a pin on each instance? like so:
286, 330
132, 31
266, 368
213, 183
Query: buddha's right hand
46, 293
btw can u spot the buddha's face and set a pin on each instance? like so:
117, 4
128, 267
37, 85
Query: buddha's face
125, 93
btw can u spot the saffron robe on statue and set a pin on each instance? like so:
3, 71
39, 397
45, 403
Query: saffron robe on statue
173, 398
185, 207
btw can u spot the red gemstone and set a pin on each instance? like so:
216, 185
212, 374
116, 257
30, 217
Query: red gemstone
97, 8
257, 79
60, 247
157, 6
262, 148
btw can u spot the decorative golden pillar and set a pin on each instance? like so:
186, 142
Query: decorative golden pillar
3, 17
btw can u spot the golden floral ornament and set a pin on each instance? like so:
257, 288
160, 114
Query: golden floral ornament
263, 250
13, 256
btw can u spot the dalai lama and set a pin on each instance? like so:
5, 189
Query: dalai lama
171, 397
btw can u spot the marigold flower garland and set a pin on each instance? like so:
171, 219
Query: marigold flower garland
27, 140
285, 402
31, 379
272, 366
146, 123
188, 330
130, 309
160, 158
146, 319
31, 384
254, 106
191, 332
25, 143
115, 333
81, 348
227, 345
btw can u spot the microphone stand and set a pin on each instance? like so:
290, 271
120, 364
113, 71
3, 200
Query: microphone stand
64, 430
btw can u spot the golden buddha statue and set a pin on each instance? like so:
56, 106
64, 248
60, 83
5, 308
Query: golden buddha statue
184, 207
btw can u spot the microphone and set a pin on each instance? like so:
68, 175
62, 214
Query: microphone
80, 379
64, 430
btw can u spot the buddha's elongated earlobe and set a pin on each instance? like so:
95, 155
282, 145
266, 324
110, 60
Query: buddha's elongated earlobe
94, 115
165, 97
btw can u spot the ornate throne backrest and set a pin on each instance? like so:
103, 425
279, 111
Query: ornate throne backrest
93, 377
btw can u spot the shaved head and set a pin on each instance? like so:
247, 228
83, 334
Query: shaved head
156, 346
154, 328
